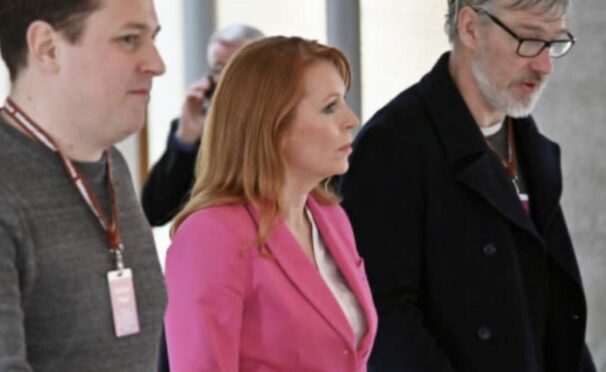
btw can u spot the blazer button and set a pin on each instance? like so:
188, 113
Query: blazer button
345, 352
490, 249
575, 317
484, 334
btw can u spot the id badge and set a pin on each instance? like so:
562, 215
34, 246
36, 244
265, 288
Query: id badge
525, 202
124, 304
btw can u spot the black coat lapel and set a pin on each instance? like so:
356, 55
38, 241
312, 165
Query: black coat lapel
480, 171
474, 165
540, 159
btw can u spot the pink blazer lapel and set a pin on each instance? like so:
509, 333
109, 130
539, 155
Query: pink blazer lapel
297, 267
333, 230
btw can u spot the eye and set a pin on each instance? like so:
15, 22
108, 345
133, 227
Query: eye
130, 41
330, 108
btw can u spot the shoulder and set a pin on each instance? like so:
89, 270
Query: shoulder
228, 223
394, 138
406, 106
399, 126
529, 131
214, 243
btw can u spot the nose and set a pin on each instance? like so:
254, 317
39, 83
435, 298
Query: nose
153, 63
351, 121
543, 63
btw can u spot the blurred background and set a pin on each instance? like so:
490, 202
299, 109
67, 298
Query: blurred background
391, 44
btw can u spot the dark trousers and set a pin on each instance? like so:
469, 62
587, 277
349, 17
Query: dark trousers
163, 365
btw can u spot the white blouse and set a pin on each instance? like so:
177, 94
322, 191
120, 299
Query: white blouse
337, 284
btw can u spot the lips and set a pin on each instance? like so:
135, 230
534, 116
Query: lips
531, 82
140, 92
530, 86
346, 148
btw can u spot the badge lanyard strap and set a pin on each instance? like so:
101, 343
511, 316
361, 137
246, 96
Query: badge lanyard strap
111, 227
510, 163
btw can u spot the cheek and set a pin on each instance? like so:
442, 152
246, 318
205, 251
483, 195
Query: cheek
303, 147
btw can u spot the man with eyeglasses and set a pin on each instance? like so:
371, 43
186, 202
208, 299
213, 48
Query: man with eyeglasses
454, 197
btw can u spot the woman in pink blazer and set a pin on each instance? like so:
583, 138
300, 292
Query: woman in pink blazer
263, 272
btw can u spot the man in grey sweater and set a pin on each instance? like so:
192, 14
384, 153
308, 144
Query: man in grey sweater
80, 284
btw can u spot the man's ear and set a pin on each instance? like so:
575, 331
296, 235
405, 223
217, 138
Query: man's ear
467, 28
42, 41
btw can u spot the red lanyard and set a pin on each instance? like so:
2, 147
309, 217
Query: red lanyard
510, 163
111, 226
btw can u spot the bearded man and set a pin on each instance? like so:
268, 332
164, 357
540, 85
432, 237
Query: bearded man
454, 197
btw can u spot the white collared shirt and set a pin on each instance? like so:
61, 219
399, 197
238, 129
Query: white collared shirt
337, 284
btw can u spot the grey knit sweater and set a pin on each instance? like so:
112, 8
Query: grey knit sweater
55, 312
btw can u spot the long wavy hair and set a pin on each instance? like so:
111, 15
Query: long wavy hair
240, 161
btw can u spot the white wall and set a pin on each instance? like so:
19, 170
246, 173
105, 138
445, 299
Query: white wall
287, 17
168, 92
401, 40
4, 82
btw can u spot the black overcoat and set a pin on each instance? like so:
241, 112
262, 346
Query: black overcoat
441, 230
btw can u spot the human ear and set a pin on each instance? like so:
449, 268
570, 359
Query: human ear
467, 28
41, 40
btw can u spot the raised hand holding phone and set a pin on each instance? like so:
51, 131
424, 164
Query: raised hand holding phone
191, 122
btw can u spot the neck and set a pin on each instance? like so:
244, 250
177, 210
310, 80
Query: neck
294, 209
50, 115
294, 197
484, 114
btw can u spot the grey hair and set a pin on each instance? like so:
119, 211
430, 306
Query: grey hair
235, 34
559, 7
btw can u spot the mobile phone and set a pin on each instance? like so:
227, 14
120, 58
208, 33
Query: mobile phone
211, 89
209, 93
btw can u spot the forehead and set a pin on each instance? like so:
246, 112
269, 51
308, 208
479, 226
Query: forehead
116, 14
321, 77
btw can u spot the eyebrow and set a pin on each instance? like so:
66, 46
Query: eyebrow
332, 96
143, 27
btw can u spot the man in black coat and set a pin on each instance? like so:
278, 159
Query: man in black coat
454, 199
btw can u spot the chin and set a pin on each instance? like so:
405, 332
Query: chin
135, 124
341, 170
522, 109
127, 132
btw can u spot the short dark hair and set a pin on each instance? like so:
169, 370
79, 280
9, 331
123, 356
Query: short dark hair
67, 16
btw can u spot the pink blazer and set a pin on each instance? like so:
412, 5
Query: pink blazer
232, 309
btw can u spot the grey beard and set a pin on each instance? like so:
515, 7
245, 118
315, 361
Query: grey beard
498, 99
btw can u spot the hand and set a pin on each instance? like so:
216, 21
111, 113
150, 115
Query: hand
191, 122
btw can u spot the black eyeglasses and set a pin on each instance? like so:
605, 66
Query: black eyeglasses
529, 48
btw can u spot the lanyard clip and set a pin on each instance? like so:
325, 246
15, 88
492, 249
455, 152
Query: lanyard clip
515, 180
119, 258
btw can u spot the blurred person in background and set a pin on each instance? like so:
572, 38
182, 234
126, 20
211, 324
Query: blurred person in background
171, 178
